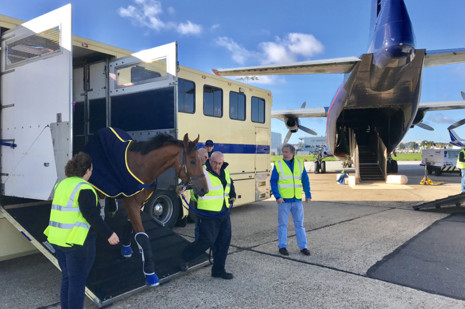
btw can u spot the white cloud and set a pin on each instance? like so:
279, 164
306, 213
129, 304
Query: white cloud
286, 50
440, 118
239, 53
189, 28
147, 14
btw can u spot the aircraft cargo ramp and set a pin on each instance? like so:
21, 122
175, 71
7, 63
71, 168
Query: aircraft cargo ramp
452, 200
112, 277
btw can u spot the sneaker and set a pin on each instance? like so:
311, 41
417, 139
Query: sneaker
225, 275
283, 251
152, 280
305, 251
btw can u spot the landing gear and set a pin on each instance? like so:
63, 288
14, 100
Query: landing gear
392, 167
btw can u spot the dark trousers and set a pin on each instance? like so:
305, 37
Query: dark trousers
75, 263
214, 233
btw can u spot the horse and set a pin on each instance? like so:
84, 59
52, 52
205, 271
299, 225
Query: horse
146, 161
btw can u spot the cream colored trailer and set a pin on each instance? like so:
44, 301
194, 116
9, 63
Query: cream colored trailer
58, 89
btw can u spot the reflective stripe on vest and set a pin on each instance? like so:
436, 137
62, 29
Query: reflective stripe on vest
67, 226
460, 165
290, 182
217, 196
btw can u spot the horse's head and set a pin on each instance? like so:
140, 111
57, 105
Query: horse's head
193, 172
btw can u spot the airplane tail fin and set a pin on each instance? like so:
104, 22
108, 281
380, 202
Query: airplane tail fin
375, 9
454, 138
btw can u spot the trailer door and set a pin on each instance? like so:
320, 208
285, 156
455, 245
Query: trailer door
36, 92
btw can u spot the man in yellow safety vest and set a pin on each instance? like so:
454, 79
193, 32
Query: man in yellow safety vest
287, 179
213, 218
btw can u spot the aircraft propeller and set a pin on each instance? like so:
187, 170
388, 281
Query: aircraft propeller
292, 123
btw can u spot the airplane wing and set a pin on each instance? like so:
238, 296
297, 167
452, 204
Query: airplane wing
444, 56
336, 65
301, 112
440, 105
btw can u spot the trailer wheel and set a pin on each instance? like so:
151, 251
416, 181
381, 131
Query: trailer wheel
163, 208
437, 171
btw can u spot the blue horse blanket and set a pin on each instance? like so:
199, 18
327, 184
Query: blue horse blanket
111, 175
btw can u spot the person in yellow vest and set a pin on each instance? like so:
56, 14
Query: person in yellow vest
287, 180
213, 217
74, 219
461, 166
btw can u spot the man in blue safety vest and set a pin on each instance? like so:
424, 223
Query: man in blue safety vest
287, 179
461, 166
213, 219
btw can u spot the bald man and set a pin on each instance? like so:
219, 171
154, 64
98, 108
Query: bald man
213, 218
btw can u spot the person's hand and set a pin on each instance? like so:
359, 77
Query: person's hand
113, 239
308, 200
280, 200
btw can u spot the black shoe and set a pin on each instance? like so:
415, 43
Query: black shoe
283, 251
224, 275
305, 251
184, 266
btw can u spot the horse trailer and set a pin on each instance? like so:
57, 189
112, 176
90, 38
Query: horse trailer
58, 89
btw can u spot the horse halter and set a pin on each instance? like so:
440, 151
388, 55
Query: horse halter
183, 168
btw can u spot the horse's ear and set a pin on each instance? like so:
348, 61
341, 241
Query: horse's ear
186, 141
196, 141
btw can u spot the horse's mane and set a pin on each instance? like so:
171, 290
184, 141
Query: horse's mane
159, 140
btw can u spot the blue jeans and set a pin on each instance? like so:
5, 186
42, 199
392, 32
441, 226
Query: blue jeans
462, 172
297, 210
75, 263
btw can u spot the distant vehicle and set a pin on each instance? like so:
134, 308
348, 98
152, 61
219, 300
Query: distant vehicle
440, 161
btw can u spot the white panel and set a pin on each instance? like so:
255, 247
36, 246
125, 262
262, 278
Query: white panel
162, 59
97, 81
36, 93
78, 85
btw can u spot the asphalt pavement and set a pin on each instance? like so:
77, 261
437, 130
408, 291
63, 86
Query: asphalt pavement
361, 238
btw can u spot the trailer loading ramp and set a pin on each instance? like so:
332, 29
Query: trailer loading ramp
452, 200
112, 276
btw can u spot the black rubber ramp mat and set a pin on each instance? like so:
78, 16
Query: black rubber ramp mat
433, 261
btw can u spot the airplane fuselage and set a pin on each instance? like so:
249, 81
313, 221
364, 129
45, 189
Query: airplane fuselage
380, 96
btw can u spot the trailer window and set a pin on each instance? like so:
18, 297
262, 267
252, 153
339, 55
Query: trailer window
212, 101
236, 105
186, 96
26, 49
258, 110
140, 73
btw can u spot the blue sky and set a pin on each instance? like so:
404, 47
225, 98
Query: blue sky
227, 34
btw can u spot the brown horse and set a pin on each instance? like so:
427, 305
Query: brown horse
147, 161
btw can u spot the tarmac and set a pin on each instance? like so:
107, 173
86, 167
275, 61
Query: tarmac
370, 249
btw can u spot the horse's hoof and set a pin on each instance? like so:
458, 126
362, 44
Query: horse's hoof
152, 280
126, 251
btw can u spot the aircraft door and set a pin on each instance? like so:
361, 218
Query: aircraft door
36, 93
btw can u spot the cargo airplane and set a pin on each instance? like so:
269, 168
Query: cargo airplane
378, 100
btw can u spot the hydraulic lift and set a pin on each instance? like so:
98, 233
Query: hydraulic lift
452, 200
112, 277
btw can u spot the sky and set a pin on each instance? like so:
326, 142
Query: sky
214, 34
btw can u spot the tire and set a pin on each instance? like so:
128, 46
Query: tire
430, 170
316, 166
164, 207
323, 167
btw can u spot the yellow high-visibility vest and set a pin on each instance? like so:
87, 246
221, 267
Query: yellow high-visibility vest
461, 165
290, 183
214, 199
67, 226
